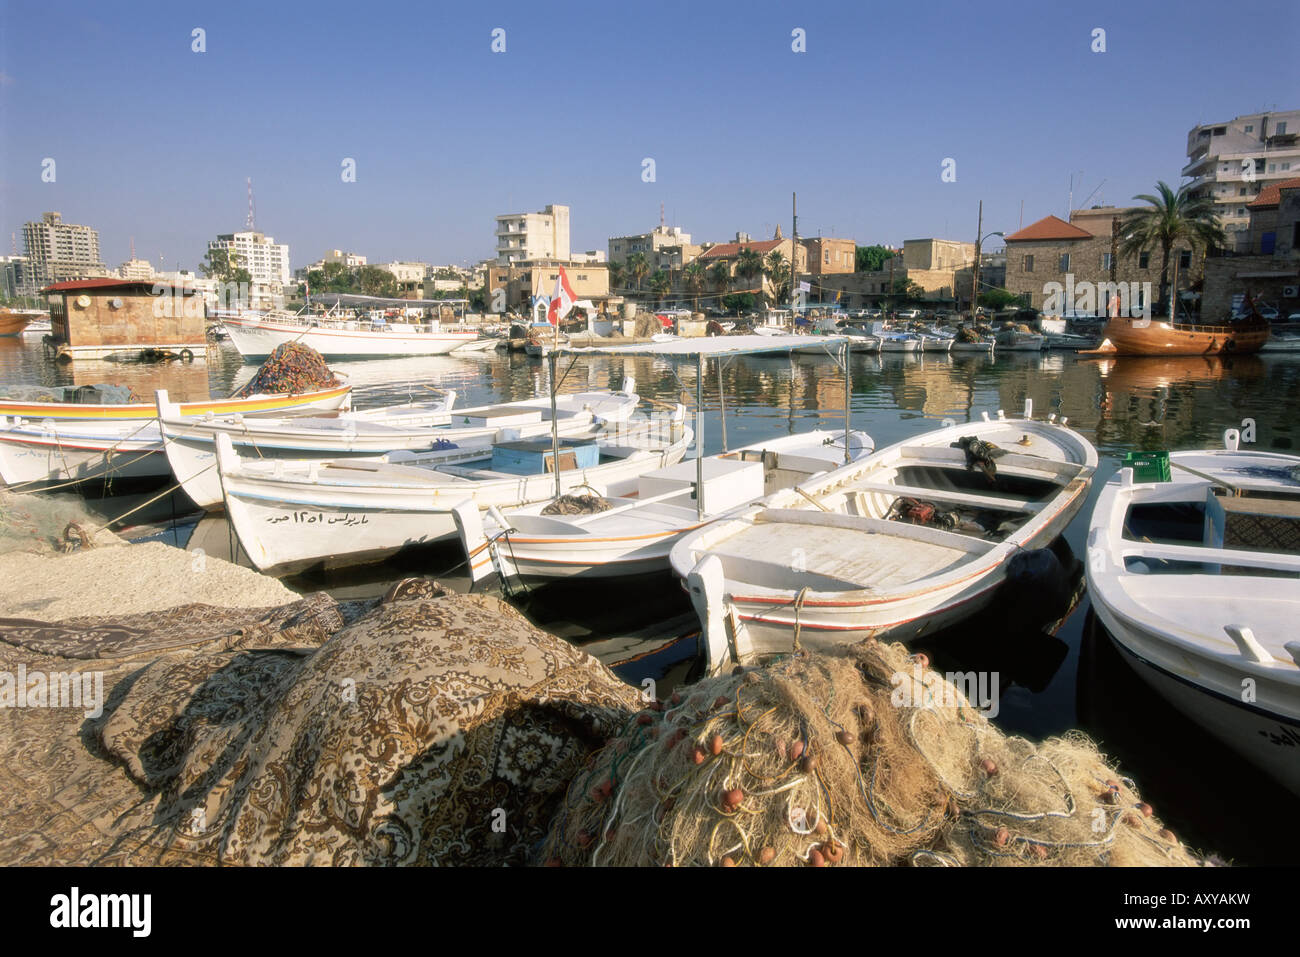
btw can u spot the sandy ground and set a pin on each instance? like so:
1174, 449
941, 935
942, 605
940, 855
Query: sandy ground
127, 579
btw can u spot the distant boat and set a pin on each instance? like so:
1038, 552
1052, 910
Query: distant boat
12, 323
337, 338
1155, 337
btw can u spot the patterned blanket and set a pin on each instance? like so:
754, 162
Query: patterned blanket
436, 729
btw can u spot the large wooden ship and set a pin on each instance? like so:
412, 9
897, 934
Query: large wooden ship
1158, 337
13, 323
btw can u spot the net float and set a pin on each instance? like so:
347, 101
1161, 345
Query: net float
816, 859
676, 698
922, 659
989, 766
721, 701
796, 750
767, 855
1001, 837
733, 798
833, 852
1168, 835
715, 745
697, 755
844, 738
1040, 852
728, 862
1146, 809
808, 764
643, 719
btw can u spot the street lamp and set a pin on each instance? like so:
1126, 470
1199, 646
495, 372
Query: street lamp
975, 275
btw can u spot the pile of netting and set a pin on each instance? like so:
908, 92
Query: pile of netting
858, 757
291, 368
101, 393
577, 505
48, 523
967, 334
1023, 328
647, 325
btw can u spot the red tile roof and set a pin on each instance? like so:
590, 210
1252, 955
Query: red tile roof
108, 282
731, 250
1271, 194
1049, 227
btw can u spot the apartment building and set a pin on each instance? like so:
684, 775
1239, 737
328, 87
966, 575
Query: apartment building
1269, 267
515, 286
15, 278
1232, 161
57, 250
524, 237
266, 260
136, 269
665, 247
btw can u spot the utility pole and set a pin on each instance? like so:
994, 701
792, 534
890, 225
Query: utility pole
794, 252
975, 273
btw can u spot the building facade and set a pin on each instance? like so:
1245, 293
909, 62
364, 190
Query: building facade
1052, 252
136, 269
266, 260
828, 255
525, 237
1269, 268
57, 251
514, 287
1232, 161
16, 278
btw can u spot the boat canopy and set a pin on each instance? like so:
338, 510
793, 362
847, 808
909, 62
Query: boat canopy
709, 347
351, 299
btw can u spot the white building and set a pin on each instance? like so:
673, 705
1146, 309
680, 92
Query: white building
57, 250
1231, 162
266, 260
529, 236
136, 269
350, 260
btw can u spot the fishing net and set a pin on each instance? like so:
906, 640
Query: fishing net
647, 325
1023, 328
967, 334
291, 368
48, 523
861, 756
101, 393
577, 505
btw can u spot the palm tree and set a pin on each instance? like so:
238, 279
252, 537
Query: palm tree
693, 277
720, 276
637, 268
616, 277
749, 264
660, 284
777, 271
1172, 216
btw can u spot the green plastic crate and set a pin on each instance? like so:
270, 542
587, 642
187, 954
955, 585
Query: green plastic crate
1148, 466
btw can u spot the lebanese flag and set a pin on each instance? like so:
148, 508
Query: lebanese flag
561, 300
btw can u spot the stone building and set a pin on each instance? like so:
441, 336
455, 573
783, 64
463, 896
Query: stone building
516, 286
1052, 253
827, 255
95, 318
1269, 265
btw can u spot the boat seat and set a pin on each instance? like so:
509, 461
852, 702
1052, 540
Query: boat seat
863, 523
928, 454
1214, 556
1005, 503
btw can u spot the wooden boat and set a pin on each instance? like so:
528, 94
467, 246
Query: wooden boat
1197, 579
190, 444
833, 561
1154, 337
47, 450
336, 338
294, 514
323, 400
635, 534
12, 323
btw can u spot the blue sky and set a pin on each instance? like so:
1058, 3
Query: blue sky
155, 141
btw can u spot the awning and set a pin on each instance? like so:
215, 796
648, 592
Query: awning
350, 299
711, 346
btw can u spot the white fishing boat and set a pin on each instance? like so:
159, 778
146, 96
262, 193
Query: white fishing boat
899, 341
324, 400
936, 342
1282, 342
909, 540
190, 444
982, 345
44, 449
633, 535
1197, 579
335, 336
1011, 340
293, 514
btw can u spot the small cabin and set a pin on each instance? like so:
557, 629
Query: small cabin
98, 318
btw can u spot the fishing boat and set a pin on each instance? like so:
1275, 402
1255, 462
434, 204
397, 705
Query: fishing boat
898, 341
1013, 340
1195, 572
43, 450
633, 535
294, 514
1153, 337
339, 337
1288, 342
190, 444
321, 400
913, 538
12, 323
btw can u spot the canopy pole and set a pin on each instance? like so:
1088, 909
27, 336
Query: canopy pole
722, 404
555, 424
699, 436
848, 404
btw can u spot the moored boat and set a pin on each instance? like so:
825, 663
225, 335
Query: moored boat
13, 323
293, 514
1154, 337
915, 537
335, 338
321, 400
1197, 580
633, 535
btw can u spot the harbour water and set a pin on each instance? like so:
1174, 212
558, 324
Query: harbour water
1048, 683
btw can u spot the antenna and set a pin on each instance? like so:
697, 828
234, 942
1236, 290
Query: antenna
252, 221
661, 215
13, 242
132, 249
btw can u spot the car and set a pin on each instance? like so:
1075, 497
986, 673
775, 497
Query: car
910, 314
1294, 317
1269, 312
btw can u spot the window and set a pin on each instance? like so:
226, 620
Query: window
1267, 242
1220, 130
1029, 264
1184, 258
1242, 191
1065, 262
1272, 167
1106, 261
1144, 260
1250, 128
1281, 129
826, 257
1286, 165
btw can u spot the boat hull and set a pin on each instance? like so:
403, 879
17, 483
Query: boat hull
1151, 337
256, 339
35, 456
339, 397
